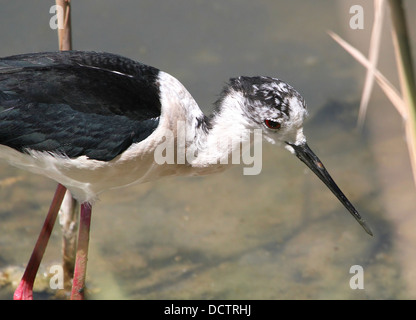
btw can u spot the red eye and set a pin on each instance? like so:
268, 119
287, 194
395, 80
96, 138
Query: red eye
272, 124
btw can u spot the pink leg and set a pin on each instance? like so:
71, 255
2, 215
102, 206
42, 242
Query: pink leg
25, 289
78, 284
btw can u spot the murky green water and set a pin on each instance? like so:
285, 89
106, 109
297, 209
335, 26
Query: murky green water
278, 235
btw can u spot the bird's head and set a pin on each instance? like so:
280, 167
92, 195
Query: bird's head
279, 110
273, 106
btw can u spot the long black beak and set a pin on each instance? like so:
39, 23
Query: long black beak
308, 157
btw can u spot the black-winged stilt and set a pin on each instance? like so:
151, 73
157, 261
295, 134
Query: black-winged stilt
97, 121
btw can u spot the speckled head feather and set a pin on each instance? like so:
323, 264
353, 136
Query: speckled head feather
266, 98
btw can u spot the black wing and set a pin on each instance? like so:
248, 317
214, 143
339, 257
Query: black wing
77, 103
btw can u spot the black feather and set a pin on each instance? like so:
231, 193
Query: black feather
77, 103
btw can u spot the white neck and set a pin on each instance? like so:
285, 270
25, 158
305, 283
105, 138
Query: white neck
228, 137
206, 145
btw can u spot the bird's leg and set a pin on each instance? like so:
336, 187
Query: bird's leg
78, 284
25, 289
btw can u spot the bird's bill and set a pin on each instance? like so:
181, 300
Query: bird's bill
308, 157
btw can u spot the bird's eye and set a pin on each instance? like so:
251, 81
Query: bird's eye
272, 124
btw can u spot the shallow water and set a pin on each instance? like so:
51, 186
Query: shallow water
277, 235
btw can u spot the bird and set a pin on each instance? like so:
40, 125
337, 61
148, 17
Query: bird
96, 121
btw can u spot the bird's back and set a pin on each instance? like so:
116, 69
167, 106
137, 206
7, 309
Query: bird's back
91, 121
77, 103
